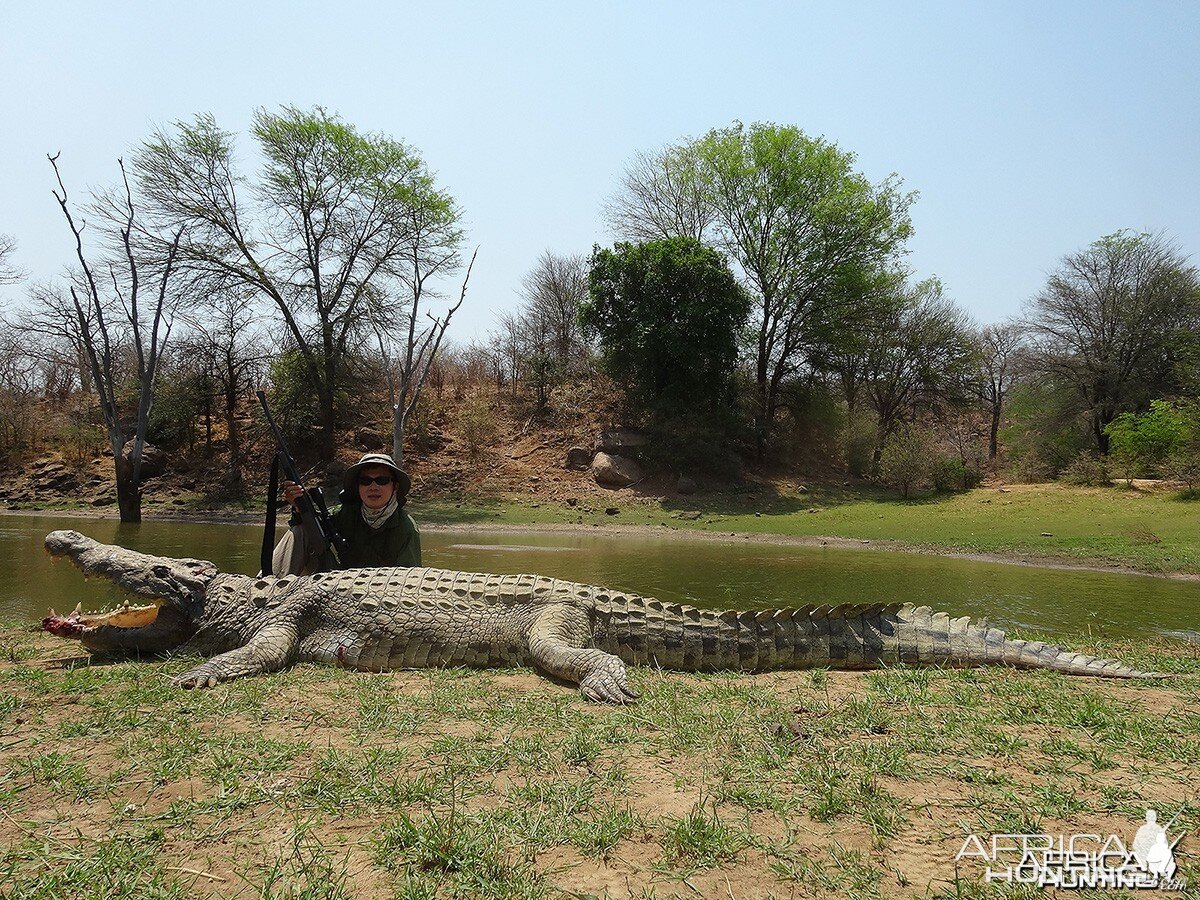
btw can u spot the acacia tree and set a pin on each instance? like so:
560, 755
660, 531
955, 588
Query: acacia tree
335, 221
1111, 322
118, 313
804, 228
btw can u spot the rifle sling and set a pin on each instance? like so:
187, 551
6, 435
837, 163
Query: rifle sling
268, 542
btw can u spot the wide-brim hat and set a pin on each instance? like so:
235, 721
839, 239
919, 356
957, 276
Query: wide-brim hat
350, 480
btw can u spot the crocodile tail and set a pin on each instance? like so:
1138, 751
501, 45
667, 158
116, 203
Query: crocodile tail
644, 631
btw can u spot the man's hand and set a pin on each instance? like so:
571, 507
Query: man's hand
292, 492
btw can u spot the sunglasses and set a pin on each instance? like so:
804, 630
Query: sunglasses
365, 480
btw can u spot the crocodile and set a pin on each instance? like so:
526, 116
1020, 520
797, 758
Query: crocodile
393, 618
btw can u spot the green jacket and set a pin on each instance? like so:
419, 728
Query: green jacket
396, 543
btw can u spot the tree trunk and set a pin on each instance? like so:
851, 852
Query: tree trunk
1098, 425
398, 424
235, 438
129, 492
993, 443
327, 442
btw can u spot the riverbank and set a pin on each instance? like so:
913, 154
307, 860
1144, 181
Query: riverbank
1143, 531
322, 782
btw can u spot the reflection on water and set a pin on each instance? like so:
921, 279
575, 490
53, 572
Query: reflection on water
708, 573
510, 548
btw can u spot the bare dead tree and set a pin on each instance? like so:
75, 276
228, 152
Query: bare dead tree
661, 196
555, 289
999, 349
224, 331
51, 324
1111, 323
9, 273
18, 389
409, 350
148, 334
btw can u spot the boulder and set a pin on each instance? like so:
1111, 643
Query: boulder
369, 439
154, 461
610, 470
55, 478
335, 473
622, 442
579, 458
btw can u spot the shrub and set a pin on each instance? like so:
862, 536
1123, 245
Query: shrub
1088, 471
1142, 443
1184, 463
667, 315
904, 463
859, 437
948, 473
476, 423
1030, 468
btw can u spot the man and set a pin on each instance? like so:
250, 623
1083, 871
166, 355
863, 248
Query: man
371, 518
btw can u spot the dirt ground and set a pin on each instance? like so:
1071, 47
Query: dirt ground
792, 784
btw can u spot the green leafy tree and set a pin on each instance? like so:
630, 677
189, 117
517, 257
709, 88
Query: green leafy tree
339, 230
807, 232
667, 314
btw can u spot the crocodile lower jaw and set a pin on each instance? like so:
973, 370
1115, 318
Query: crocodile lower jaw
77, 622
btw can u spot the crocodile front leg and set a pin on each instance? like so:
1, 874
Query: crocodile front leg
557, 642
269, 650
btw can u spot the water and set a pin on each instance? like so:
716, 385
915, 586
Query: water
739, 574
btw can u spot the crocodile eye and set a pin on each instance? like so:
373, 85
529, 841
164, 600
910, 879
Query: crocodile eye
160, 571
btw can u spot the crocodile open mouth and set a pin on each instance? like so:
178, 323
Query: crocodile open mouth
78, 622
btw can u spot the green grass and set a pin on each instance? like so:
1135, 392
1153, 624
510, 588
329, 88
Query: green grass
318, 782
1148, 531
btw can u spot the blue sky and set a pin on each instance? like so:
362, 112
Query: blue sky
1029, 129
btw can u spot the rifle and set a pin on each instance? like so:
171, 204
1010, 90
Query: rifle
314, 516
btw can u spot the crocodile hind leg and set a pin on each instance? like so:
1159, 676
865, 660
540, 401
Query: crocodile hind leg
557, 642
269, 650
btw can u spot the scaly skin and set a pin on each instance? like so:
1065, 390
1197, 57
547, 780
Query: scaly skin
381, 619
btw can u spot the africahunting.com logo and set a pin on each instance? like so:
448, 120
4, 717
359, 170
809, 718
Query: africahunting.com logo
1081, 860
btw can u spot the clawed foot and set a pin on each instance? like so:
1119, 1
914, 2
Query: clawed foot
608, 684
200, 677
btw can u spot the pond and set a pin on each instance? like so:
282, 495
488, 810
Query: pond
738, 574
